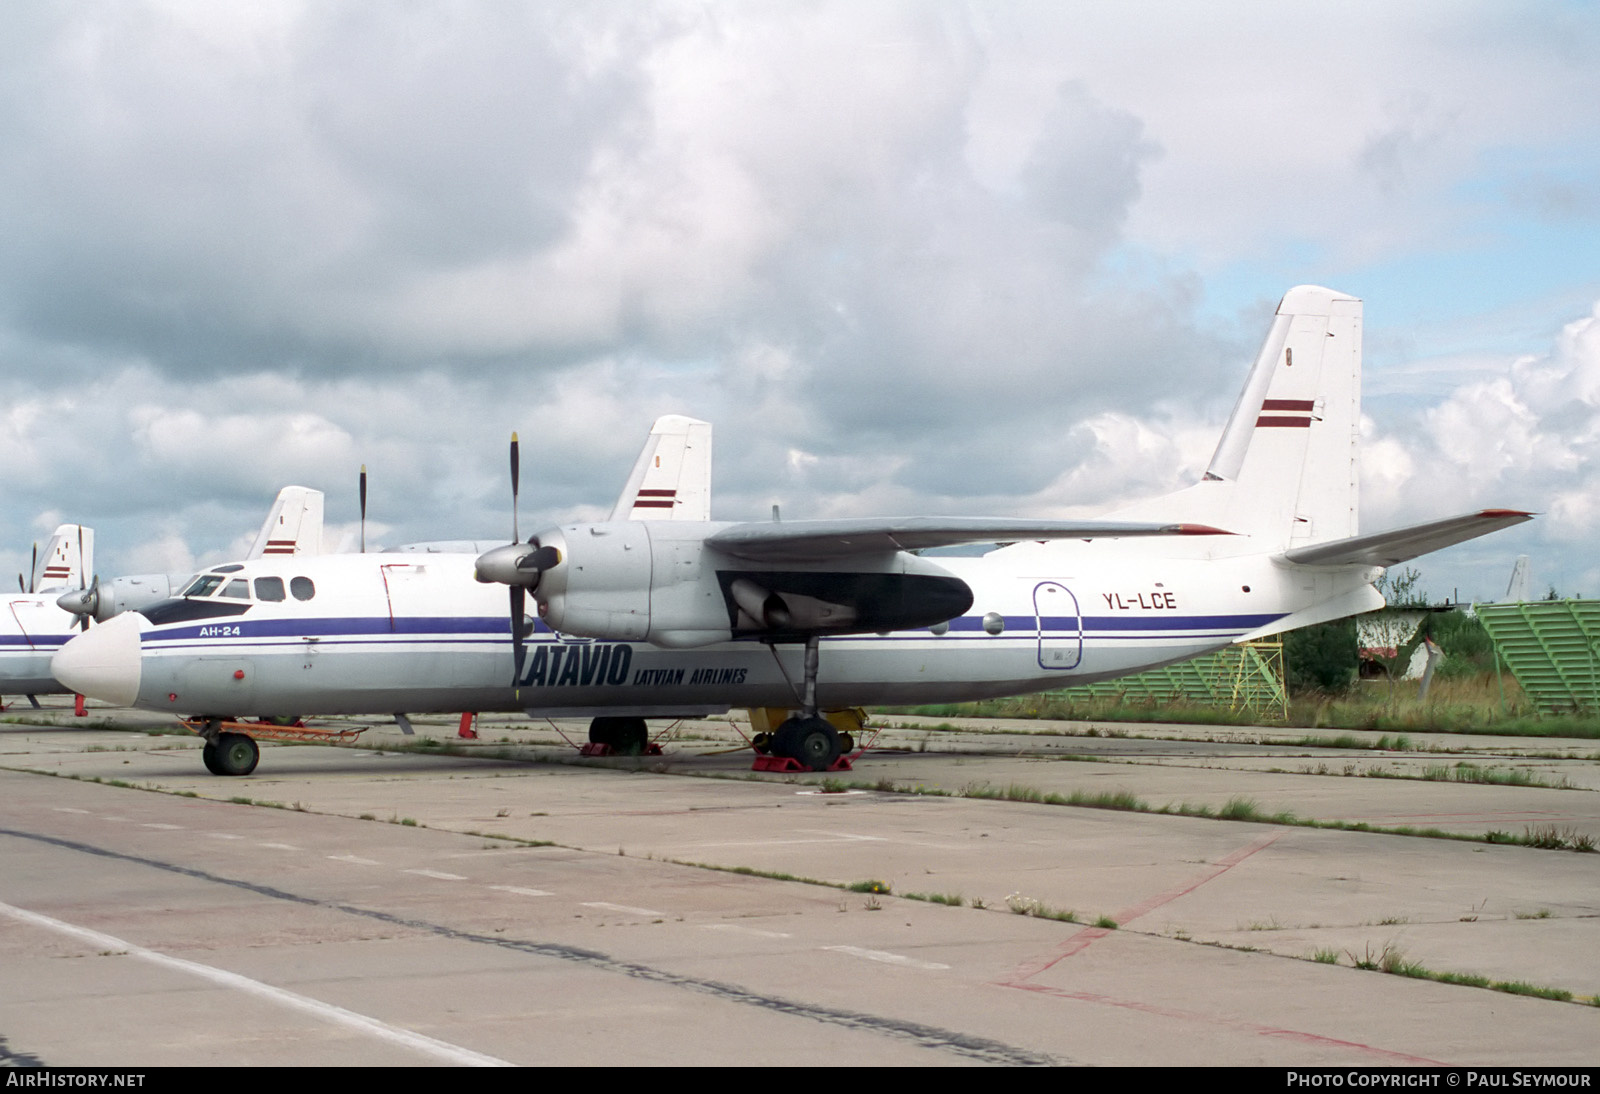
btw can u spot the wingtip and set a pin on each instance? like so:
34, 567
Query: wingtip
1201, 530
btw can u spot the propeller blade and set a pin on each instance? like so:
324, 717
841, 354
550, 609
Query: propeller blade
33, 568
518, 639
22, 586
363, 508
516, 473
91, 603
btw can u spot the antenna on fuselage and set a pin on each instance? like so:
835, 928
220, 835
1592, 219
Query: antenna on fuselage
363, 492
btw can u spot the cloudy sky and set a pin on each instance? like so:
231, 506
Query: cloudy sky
980, 258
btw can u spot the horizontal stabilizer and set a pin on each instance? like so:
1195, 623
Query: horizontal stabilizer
818, 540
1403, 544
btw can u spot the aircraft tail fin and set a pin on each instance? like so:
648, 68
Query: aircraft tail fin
672, 478
1287, 467
293, 525
67, 561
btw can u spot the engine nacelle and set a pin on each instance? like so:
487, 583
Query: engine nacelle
600, 588
658, 582
105, 599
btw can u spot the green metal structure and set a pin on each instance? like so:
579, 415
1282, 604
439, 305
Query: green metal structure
1248, 677
1552, 647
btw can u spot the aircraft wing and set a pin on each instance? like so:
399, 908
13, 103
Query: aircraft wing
1403, 544
818, 540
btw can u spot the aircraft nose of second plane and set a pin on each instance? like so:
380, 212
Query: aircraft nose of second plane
103, 662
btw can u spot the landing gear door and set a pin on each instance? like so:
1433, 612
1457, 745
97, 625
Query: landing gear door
1060, 626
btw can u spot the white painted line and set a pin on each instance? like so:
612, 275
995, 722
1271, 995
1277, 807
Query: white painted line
69, 809
437, 874
622, 908
851, 836
357, 859
743, 930
164, 827
279, 846
442, 1050
520, 891
886, 957
223, 835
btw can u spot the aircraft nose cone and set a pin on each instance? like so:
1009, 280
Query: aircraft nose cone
103, 662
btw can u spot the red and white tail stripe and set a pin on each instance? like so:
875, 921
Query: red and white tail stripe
655, 499
1291, 413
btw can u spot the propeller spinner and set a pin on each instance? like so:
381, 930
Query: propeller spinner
84, 604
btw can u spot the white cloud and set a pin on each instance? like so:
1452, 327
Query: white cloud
958, 258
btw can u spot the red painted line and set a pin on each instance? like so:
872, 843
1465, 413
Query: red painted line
1296, 422
1300, 1036
642, 504
1081, 940
1288, 404
658, 493
1222, 866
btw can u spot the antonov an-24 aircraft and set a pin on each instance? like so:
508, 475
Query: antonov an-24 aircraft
33, 626
661, 612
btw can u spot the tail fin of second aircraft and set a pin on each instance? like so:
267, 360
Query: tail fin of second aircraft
293, 525
67, 562
672, 478
1287, 468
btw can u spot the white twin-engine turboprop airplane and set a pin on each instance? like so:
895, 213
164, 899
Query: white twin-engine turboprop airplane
661, 612
33, 625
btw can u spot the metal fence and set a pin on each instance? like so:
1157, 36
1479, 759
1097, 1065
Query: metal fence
1247, 677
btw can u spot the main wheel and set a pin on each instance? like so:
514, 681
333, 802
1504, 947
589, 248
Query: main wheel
813, 742
209, 755
602, 731
624, 736
236, 754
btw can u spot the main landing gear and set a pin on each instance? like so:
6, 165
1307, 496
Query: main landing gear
807, 740
619, 737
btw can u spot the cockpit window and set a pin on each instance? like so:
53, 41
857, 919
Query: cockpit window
204, 585
302, 588
269, 588
231, 568
238, 588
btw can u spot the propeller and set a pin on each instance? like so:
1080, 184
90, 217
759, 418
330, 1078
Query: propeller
33, 569
363, 492
518, 565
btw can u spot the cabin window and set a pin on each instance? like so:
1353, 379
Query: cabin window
204, 585
269, 589
302, 588
238, 588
